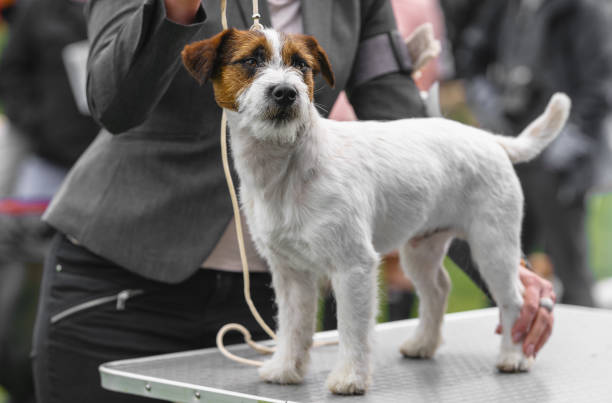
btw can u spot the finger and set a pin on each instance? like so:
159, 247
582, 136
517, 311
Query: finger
553, 296
547, 289
529, 310
544, 338
539, 328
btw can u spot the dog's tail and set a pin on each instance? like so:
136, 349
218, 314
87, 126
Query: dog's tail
540, 133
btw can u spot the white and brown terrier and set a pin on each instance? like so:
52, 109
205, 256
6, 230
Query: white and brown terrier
326, 199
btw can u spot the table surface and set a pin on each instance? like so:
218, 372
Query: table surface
575, 366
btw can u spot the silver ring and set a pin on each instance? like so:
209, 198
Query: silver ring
256, 27
547, 303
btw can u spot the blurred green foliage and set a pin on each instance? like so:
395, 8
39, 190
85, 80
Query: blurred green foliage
599, 234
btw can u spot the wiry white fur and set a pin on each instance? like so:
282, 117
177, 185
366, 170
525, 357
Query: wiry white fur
325, 199
275, 39
540, 133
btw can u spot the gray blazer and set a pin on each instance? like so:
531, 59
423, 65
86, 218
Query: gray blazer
149, 194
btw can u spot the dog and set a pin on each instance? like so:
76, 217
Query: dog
324, 199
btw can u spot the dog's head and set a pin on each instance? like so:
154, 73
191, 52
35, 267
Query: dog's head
265, 75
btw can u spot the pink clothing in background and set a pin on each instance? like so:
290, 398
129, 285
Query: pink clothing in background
286, 16
409, 15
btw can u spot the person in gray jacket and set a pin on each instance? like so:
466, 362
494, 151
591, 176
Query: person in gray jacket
145, 262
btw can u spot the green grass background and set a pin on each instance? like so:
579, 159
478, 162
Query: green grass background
599, 230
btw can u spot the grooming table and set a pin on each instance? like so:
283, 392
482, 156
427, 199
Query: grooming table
574, 366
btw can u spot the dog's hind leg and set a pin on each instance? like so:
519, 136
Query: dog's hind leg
296, 297
422, 260
355, 291
496, 251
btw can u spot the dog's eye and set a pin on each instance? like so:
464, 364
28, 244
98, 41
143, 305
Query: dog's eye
300, 64
250, 62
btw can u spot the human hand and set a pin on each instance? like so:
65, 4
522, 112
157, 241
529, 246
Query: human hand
535, 323
423, 47
182, 11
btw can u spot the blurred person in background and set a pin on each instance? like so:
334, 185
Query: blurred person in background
514, 54
47, 132
11, 145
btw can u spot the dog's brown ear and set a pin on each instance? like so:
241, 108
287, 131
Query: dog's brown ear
199, 58
323, 65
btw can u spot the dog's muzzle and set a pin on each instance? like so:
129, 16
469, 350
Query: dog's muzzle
282, 103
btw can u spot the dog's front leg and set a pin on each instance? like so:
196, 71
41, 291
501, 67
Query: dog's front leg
296, 297
355, 291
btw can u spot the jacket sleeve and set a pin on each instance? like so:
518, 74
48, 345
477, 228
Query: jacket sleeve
134, 54
391, 96
19, 89
395, 96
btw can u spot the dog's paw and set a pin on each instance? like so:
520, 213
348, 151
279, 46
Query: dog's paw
275, 371
514, 361
420, 346
347, 380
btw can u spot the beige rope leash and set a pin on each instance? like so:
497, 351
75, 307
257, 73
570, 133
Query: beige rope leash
239, 234
245, 268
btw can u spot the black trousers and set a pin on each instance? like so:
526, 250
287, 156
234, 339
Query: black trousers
559, 229
92, 311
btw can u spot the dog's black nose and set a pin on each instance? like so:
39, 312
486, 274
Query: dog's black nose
284, 95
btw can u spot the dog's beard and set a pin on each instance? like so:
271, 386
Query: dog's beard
280, 116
